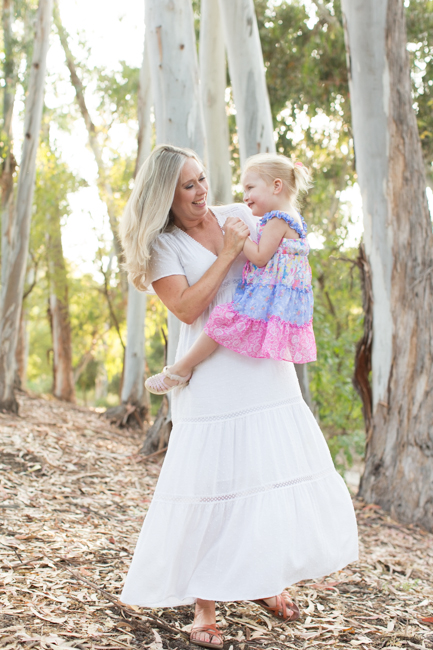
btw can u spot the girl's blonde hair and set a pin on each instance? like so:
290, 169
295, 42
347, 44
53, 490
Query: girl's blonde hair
147, 212
295, 176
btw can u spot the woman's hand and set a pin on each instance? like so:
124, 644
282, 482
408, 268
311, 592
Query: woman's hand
235, 233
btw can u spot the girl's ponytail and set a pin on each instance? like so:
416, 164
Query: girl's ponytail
302, 177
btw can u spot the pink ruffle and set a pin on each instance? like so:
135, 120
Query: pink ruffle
273, 339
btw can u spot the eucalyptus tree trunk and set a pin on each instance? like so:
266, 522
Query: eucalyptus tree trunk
178, 116
133, 381
174, 73
399, 248
247, 73
213, 79
104, 186
21, 355
250, 93
13, 285
8, 159
63, 379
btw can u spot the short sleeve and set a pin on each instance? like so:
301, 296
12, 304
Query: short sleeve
164, 260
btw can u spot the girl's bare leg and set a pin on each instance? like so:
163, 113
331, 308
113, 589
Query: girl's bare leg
199, 351
204, 615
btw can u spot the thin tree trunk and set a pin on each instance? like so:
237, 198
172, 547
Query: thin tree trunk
63, 380
174, 72
8, 159
399, 247
250, 93
133, 377
178, 114
247, 73
12, 289
213, 77
22, 352
104, 186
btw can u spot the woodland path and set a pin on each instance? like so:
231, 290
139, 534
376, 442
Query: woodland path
72, 495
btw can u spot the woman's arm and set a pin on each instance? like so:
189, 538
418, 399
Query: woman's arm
272, 234
187, 303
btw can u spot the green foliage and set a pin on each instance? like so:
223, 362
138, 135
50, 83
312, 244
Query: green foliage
419, 19
338, 322
305, 65
118, 92
87, 378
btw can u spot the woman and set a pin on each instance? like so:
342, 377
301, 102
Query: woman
248, 500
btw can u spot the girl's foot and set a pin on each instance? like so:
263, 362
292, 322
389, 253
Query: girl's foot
165, 381
280, 606
204, 631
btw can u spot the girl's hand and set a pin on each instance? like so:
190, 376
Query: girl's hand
235, 233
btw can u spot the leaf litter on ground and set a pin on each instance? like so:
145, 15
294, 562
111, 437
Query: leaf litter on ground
73, 494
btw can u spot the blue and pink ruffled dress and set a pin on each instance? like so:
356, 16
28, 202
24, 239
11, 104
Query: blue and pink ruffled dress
271, 315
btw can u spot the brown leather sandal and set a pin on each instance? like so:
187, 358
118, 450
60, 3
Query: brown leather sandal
282, 608
213, 631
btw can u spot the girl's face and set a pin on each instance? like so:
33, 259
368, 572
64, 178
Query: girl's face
189, 203
260, 196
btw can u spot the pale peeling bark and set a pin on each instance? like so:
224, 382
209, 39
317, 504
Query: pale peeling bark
250, 93
399, 248
133, 376
174, 71
12, 289
175, 86
213, 77
9, 162
247, 73
22, 352
178, 115
63, 379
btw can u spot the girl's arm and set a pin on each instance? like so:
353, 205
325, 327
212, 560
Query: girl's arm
272, 234
188, 303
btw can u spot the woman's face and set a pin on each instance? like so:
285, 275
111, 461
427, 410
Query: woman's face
189, 203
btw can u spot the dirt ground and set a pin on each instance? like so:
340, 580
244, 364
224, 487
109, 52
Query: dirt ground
73, 492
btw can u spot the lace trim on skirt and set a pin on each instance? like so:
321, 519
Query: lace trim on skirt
195, 499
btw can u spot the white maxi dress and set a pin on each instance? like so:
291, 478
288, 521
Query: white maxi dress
248, 501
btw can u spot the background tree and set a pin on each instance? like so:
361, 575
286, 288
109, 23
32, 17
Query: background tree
104, 184
178, 117
213, 80
133, 392
19, 230
399, 246
55, 175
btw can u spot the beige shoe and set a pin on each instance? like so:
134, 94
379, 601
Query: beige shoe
157, 385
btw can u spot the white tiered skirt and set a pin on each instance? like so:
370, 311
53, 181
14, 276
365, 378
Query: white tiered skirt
248, 501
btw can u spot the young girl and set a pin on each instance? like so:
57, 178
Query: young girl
271, 315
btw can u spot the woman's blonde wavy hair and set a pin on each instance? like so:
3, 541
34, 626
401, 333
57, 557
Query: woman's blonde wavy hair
295, 176
147, 213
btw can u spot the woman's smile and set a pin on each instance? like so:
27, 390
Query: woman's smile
201, 202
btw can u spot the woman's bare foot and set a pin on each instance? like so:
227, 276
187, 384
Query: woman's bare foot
204, 615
